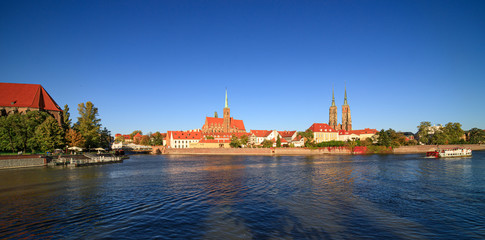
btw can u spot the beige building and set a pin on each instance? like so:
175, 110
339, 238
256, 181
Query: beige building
211, 143
322, 132
357, 134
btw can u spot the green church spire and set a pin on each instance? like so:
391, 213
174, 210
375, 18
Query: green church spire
333, 99
345, 98
226, 106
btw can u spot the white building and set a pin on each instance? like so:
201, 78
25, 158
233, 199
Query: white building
182, 139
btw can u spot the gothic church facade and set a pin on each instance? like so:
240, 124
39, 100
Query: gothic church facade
226, 124
346, 118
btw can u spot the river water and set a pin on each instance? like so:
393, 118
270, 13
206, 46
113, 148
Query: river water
249, 197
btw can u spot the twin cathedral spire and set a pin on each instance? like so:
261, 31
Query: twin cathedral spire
346, 119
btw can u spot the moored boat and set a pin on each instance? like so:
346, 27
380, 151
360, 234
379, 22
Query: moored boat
449, 153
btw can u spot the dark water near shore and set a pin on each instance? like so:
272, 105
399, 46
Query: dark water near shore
249, 197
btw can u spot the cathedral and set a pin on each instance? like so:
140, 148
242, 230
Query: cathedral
346, 120
226, 124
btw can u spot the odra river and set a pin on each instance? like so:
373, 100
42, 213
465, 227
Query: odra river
249, 197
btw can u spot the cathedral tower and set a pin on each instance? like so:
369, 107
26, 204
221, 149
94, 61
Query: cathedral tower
226, 125
346, 119
332, 119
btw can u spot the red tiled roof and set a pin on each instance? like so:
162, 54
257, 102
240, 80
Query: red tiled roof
225, 134
138, 135
286, 133
281, 139
26, 95
162, 134
343, 132
261, 133
127, 136
184, 135
238, 124
214, 141
364, 131
235, 123
118, 135
358, 132
321, 127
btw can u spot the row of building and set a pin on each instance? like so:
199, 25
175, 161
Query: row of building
217, 132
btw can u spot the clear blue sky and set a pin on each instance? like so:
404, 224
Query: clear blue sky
164, 65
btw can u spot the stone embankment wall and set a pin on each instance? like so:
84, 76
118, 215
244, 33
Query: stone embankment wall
301, 151
21, 161
255, 151
428, 148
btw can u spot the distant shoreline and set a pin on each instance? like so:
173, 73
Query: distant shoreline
307, 152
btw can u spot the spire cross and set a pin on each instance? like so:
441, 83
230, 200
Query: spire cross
333, 98
226, 105
345, 98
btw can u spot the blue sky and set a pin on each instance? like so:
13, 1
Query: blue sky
164, 65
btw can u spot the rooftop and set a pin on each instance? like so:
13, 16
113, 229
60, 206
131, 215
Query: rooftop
26, 95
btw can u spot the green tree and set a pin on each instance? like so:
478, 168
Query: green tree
8, 137
34, 119
105, 138
267, 143
366, 142
49, 135
453, 132
119, 139
423, 135
22, 129
476, 135
383, 138
278, 141
88, 124
235, 143
145, 140
244, 140
439, 138
306, 134
351, 144
66, 118
19, 131
397, 138
412, 142
332, 143
156, 139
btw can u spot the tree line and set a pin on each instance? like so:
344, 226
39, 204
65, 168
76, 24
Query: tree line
451, 133
151, 139
38, 131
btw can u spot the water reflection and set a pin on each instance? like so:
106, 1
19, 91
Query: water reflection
248, 197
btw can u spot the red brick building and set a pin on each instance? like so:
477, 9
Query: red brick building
22, 98
226, 124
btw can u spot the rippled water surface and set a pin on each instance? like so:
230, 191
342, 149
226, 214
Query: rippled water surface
249, 197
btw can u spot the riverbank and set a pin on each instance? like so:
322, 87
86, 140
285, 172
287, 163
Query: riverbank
303, 151
19, 161
255, 151
23, 161
428, 148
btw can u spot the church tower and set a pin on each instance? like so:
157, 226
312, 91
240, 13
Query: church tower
346, 119
226, 124
332, 119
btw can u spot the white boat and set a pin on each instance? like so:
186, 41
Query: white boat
449, 153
